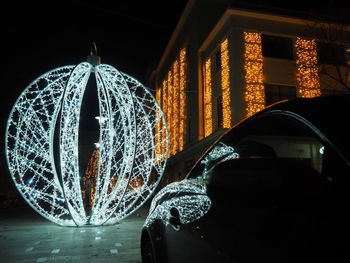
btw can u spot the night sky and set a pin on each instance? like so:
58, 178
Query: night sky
130, 35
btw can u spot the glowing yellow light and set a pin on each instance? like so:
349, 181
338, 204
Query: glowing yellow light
176, 106
307, 76
165, 111
208, 107
89, 180
173, 102
170, 116
183, 105
225, 85
253, 65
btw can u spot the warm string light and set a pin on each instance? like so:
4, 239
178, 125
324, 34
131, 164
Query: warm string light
176, 107
183, 99
208, 106
173, 102
225, 85
253, 65
128, 169
225, 89
307, 76
89, 180
170, 116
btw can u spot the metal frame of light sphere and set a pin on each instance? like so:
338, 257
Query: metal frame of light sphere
130, 120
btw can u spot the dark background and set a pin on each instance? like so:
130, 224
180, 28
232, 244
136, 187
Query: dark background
130, 35
39, 36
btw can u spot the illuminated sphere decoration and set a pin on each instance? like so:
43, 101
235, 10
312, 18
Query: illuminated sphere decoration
42, 145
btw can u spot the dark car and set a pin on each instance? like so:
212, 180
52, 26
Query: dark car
274, 188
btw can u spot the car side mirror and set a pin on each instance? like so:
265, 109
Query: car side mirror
264, 181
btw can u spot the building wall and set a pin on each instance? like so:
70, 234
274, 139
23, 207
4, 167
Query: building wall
202, 36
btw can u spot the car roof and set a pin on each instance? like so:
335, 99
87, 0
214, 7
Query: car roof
330, 114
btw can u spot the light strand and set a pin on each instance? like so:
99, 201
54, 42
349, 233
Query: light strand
307, 76
225, 85
170, 113
183, 99
128, 167
173, 102
253, 65
176, 107
208, 106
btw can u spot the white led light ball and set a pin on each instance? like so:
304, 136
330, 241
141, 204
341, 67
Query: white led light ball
50, 182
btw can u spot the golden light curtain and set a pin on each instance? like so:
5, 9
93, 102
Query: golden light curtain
225, 85
172, 98
307, 76
208, 105
225, 89
253, 64
183, 103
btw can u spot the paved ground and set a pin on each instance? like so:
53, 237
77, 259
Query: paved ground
27, 237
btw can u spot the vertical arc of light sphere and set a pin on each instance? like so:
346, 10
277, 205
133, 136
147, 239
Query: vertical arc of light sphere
105, 140
69, 146
145, 165
125, 104
141, 165
122, 141
29, 145
106, 137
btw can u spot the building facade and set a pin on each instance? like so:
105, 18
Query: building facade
223, 64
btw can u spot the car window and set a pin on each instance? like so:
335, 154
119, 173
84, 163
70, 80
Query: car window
266, 136
306, 149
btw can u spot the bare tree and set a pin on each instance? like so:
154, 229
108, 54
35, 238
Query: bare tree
334, 54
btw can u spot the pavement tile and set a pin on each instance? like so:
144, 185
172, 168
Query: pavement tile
26, 237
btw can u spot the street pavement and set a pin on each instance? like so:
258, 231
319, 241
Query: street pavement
27, 237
